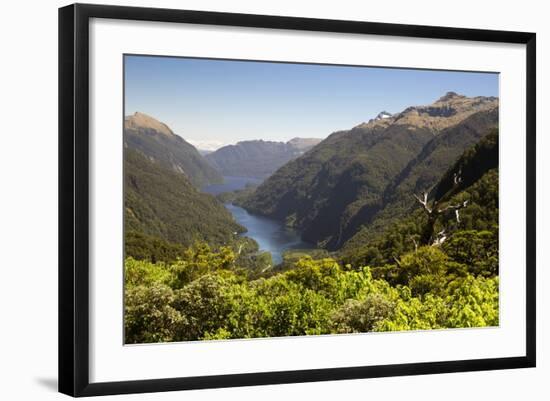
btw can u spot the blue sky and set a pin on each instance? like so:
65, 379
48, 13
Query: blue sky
215, 102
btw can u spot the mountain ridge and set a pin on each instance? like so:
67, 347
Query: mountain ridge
163, 203
158, 142
342, 183
446, 111
257, 158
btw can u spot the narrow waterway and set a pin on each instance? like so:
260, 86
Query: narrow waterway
271, 235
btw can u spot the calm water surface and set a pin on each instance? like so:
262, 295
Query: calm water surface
271, 235
231, 184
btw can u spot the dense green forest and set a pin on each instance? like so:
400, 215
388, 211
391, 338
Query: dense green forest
404, 211
478, 169
161, 203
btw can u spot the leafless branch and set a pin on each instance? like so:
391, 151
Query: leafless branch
453, 207
458, 177
396, 261
428, 236
415, 244
439, 238
423, 201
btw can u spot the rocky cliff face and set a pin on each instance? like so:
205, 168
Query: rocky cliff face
447, 111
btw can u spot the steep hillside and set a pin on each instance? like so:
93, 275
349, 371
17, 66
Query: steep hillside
423, 172
258, 159
158, 142
425, 169
477, 168
346, 180
162, 203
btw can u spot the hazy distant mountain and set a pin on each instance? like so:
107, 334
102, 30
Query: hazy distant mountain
258, 158
159, 143
206, 145
348, 179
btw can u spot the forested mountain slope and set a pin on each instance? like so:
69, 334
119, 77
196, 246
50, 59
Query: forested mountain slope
162, 203
344, 182
473, 177
423, 172
159, 143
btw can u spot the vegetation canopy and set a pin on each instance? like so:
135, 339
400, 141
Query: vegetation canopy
204, 295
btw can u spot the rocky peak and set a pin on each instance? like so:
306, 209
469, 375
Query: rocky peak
382, 115
447, 111
383, 118
142, 121
449, 96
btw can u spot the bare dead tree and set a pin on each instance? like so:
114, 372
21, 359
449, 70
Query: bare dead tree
427, 233
439, 238
415, 243
240, 249
457, 177
434, 211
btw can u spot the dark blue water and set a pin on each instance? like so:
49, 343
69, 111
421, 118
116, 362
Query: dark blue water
231, 184
271, 235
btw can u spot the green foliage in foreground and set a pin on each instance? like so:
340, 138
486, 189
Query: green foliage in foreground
206, 295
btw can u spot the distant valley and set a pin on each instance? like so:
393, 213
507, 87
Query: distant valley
340, 193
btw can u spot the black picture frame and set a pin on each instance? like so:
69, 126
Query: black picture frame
74, 198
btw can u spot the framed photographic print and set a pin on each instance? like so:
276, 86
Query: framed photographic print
249, 199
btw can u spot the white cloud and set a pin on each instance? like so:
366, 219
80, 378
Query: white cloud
206, 144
